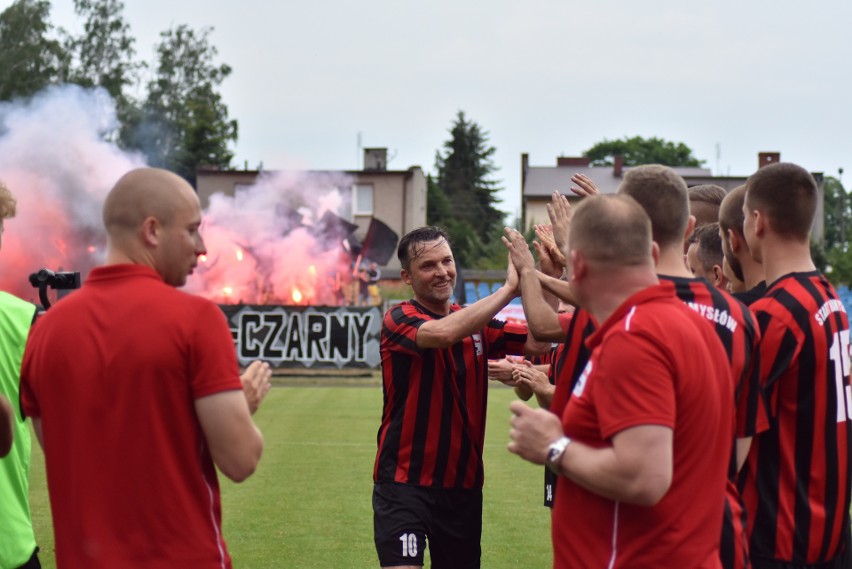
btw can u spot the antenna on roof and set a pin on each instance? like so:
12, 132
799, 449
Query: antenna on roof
718, 156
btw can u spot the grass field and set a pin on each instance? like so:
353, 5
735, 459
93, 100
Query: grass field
309, 503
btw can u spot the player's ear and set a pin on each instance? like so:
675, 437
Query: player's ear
718, 276
578, 265
655, 252
690, 227
760, 223
734, 240
150, 231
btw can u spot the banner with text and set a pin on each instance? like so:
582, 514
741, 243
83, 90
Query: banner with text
306, 336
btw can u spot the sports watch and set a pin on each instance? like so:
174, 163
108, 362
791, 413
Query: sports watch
554, 454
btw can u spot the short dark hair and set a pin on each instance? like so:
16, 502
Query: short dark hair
731, 212
408, 249
787, 195
662, 194
709, 246
611, 230
704, 202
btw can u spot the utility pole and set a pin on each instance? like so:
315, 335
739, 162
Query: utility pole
842, 209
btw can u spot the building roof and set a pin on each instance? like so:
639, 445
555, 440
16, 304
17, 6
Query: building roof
541, 181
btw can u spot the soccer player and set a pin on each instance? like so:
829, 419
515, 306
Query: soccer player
428, 472
17, 539
735, 285
704, 202
662, 193
705, 257
736, 249
643, 444
796, 481
570, 330
136, 397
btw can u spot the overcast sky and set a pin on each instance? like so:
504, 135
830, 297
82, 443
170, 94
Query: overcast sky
546, 77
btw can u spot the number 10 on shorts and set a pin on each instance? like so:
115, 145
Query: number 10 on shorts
409, 544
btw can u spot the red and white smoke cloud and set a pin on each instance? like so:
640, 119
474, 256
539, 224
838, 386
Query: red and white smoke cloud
54, 159
57, 161
259, 255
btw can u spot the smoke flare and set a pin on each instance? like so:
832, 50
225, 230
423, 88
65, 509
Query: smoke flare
57, 159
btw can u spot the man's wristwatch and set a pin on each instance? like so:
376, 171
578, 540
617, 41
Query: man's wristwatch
554, 454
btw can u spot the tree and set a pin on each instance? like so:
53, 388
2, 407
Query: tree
840, 262
837, 231
461, 197
638, 150
30, 58
103, 55
183, 123
838, 214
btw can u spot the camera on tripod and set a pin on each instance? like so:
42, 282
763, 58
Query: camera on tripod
59, 280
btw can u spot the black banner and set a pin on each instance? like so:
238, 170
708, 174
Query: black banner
306, 336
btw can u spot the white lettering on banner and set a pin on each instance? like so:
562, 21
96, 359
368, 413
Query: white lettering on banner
831, 305
308, 337
713, 314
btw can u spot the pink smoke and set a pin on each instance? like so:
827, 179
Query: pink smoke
56, 158
257, 255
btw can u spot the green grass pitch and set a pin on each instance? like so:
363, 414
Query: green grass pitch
309, 503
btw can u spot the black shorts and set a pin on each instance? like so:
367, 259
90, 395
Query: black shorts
407, 517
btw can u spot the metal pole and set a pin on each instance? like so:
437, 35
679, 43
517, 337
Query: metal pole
842, 209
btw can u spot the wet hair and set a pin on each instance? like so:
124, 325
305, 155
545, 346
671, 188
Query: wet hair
410, 246
662, 193
786, 194
704, 202
8, 203
611, 230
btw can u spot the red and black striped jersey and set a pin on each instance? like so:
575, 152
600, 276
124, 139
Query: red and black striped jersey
542, 359
567, 363
796, 480
736, 329
570, 358
433, 420
748, 297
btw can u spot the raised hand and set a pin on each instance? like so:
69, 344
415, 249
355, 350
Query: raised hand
550, 258
559, 211
585, 186
519, 251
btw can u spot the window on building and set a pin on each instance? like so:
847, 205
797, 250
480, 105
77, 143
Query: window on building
362, 199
